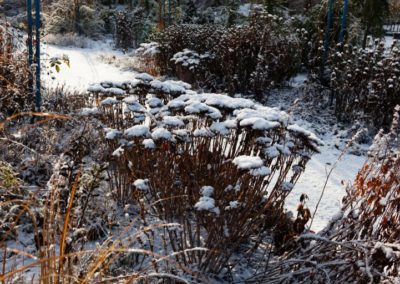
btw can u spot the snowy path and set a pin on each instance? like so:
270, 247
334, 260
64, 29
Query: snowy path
313, 179
85, 67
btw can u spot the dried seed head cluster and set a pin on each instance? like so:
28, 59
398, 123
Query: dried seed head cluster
220, 166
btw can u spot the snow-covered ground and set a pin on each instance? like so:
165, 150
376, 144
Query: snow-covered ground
313, 180
335, 136
388, 41
86, 67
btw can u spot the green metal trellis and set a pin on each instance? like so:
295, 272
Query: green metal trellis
38, 97
329, 27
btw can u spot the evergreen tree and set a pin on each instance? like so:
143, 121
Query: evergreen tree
190, 12
64, 16
272, 4
233, 6
373, 13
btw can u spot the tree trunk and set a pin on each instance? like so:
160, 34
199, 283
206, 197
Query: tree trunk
161, 11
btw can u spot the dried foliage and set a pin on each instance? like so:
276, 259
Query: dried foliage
14, 75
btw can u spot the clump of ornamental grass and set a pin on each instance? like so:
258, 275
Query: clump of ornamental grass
61, 240
219, 166
361, 243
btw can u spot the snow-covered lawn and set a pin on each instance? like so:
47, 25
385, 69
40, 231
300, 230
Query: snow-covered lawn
87, 67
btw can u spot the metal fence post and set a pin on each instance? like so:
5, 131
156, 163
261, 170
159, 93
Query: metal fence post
327, 35
30, 45
38, 99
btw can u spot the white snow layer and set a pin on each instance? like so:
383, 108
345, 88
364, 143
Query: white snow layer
137, 131
248, 162
161, 133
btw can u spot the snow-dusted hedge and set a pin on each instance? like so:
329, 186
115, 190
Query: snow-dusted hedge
250, 59
220, 166
366, 83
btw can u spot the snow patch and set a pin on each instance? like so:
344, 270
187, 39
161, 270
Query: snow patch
161, 133
142, 184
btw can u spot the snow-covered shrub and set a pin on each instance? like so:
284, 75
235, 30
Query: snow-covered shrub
250, 59
14, 76
174, 39
190, 66
311, 26
366, 83
361, 243
187, 58
258, 56
63, 218
64, 221
147, 54
219, 166
148, 49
